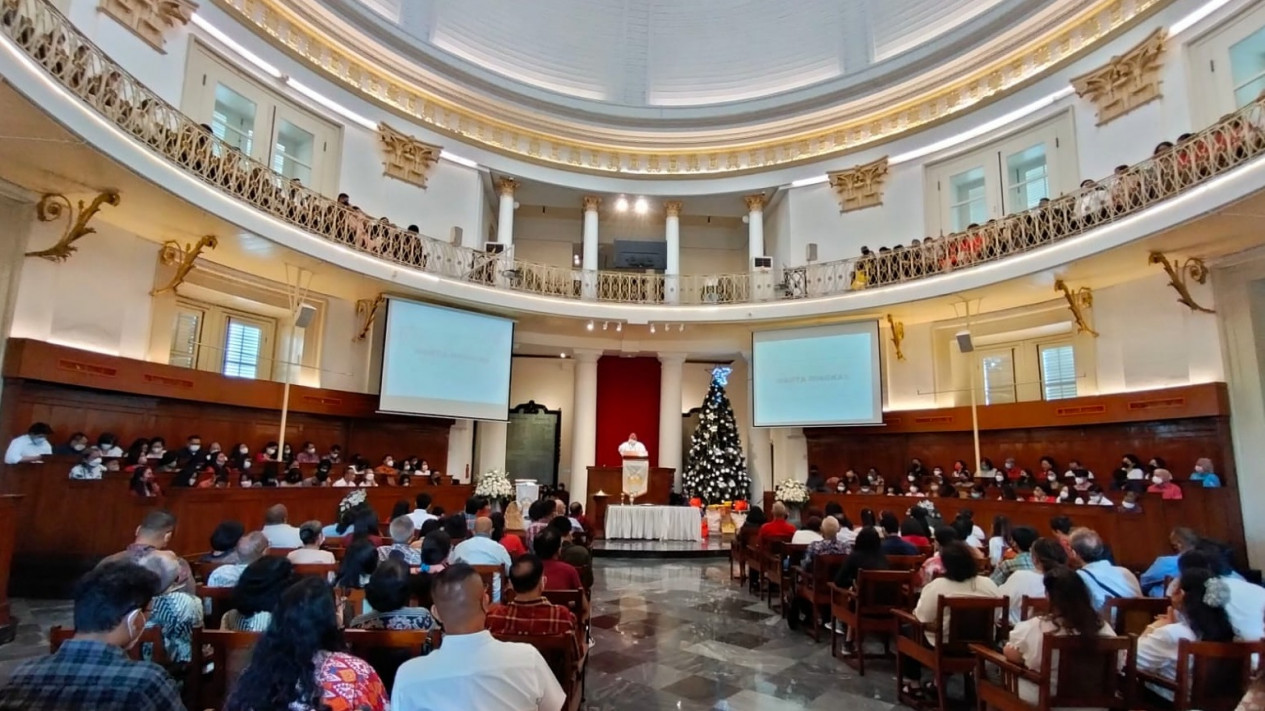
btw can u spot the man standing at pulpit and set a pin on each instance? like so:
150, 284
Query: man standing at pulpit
633, 448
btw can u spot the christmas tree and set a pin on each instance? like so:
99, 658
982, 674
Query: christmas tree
715, 469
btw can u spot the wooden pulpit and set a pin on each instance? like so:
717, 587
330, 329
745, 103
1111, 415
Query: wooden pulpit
610, 480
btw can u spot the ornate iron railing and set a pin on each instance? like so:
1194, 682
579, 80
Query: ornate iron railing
52, 41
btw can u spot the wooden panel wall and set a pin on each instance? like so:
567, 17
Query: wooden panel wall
75, 390
1178, 424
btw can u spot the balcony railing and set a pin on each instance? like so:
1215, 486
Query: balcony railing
51, 40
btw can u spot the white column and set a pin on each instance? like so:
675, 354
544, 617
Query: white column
489, 447
588, 262
759, 439
672, 235
505, 217
670, 371
460, 446
755, 226
584, 424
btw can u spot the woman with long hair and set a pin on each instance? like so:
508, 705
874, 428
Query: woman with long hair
359, 562
299, 663
143, 483
1071, 613
257, 593
510, 541
999, 542
1047, 554
1198, 613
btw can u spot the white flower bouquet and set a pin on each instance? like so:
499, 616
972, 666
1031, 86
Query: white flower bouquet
791, 493
352, 500
495, 485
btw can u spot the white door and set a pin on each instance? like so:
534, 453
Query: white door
1228, 67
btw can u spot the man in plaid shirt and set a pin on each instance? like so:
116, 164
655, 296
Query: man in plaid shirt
1021, 540
92, 671
530, 613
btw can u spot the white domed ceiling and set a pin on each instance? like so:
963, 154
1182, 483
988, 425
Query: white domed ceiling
656, 59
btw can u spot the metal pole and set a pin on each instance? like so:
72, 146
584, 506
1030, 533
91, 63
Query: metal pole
298, 292
974, 396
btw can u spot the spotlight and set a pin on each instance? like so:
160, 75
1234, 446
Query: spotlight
652, 328
680, 327
589, 326
641, 207
562, 355
606, 325
619, 327
621, 205
575, 260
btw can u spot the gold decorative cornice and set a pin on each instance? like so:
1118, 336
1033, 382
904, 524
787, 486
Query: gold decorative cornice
52, 206
183, 259
591, 202
1079, 301
406, 158
672, 208
860, 186
754, 202
150, 19
537, 139
506, 186
1178, 272
1125, 82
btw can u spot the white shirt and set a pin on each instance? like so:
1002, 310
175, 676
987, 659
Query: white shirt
977, 537
22, 447
1020, 583
929, 600
804, 537
343, 482
996, 549
1029, 638
310, 556
846, 535
282, 535
482, 550
420, 517
1246, 609
633, 449
115, 451
1157, 650
475, 671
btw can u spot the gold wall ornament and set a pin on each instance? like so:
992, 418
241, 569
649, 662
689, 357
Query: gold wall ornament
1078, 302
591, 202
898, 335
754, 202
1178, 272
183, 260
506, 186
367, 311
150, 19
1127, 81
53, 206
406, 158
672, 208
860, 186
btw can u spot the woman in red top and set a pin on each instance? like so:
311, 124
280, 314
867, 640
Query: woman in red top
512, 543
1162, 483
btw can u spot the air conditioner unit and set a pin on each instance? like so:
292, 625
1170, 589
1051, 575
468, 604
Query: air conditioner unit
762, 264
494, 247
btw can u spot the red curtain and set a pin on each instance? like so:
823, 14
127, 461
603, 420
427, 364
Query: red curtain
627, 401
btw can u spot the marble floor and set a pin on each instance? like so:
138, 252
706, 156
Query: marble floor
667, 635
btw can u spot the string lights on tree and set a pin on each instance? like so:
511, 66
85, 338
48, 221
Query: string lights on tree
715, 469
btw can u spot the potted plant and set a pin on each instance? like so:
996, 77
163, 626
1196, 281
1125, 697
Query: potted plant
495, 486
794, 494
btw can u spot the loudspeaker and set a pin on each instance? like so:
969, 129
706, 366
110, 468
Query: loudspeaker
812, 251
964, 341
762, 262
307, 314
455, 235
494, 247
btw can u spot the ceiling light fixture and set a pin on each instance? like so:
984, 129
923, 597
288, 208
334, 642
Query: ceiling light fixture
562, 355
589, 326
621, 205
652, 328
606, 325
680, 328
641, 207
619, 327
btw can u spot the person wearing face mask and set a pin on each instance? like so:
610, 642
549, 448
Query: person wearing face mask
1048, 467
348, 478
308, 454
92, 670
1162, 483
143, 483
1129, 503
335, 455
1079, 481
960, 471
1204, 475
386, 471
1073, 467
191, 451
31, 446
1039, 496
269, 453
89, 466
287, 453
109, 446
157, 449
1129, 474
215, 471
321, 477
73, 447
1095, 497
986, 469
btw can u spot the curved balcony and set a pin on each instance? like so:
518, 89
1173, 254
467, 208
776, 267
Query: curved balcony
52, 41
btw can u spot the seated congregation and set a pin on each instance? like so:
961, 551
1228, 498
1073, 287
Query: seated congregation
1002, 609
444, 611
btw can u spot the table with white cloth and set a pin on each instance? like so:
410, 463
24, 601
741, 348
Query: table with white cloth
657, 523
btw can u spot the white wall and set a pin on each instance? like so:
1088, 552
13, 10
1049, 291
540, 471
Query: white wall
550, 382
1148, 340
97, 300
162, 72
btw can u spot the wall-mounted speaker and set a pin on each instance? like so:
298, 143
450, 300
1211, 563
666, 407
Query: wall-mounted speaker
307, 314
762, 262
455, 235
964, 341
494, 247
812, 251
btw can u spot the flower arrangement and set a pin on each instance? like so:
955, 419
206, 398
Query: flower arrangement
495, 485
353, 499
791, 493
